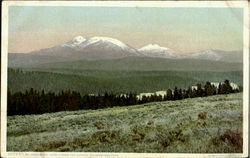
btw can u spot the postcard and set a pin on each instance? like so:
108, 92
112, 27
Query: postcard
124, 79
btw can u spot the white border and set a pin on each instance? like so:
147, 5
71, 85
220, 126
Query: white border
245, 81
193, 4
4, 63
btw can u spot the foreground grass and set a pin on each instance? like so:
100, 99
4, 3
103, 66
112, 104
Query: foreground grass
171, 126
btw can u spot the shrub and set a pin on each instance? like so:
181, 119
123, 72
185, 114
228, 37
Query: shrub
136, 137
102, 126
106, 136
81, 142
173, 136
141, 131
233, 138
51, 146
150, 123
202, 116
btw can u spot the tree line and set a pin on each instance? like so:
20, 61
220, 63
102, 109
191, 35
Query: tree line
38, 102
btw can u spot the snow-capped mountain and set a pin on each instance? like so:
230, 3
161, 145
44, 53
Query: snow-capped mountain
104, 42
206, 55
218, 55
154, 50
99, 48
80, 42
91, 49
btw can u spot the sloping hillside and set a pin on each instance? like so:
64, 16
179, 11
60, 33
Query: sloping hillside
98, 81
147, 64
172, 126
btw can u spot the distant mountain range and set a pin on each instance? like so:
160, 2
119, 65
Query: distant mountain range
90, 48
100, 48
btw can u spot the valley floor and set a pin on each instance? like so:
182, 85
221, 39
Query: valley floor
168, 127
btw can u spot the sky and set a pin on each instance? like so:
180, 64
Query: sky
182, 29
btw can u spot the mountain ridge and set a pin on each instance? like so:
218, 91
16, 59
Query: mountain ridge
99, 48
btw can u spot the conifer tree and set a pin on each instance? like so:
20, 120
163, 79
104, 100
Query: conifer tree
169, 94
199, 91
209, 90
176, 94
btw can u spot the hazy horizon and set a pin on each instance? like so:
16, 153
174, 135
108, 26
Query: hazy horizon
182, 29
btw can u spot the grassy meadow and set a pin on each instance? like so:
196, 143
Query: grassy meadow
167, 127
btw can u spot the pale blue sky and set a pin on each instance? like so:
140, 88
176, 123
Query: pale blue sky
182, 29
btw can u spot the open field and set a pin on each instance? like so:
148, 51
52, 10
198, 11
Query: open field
171, 126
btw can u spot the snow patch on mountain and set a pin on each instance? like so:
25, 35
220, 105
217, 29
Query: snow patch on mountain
80, 42
207, 55
153, 47
107, 40
77, 41
154, 50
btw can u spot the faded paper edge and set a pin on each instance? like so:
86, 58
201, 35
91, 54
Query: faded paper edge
193, 4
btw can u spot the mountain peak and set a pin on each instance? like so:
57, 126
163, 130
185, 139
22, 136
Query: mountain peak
150, 47
76, 41
109, 40
208, 55
79, 39
153, 45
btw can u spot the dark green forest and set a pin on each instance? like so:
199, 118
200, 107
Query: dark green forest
116, 82
36, 102
144, 64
